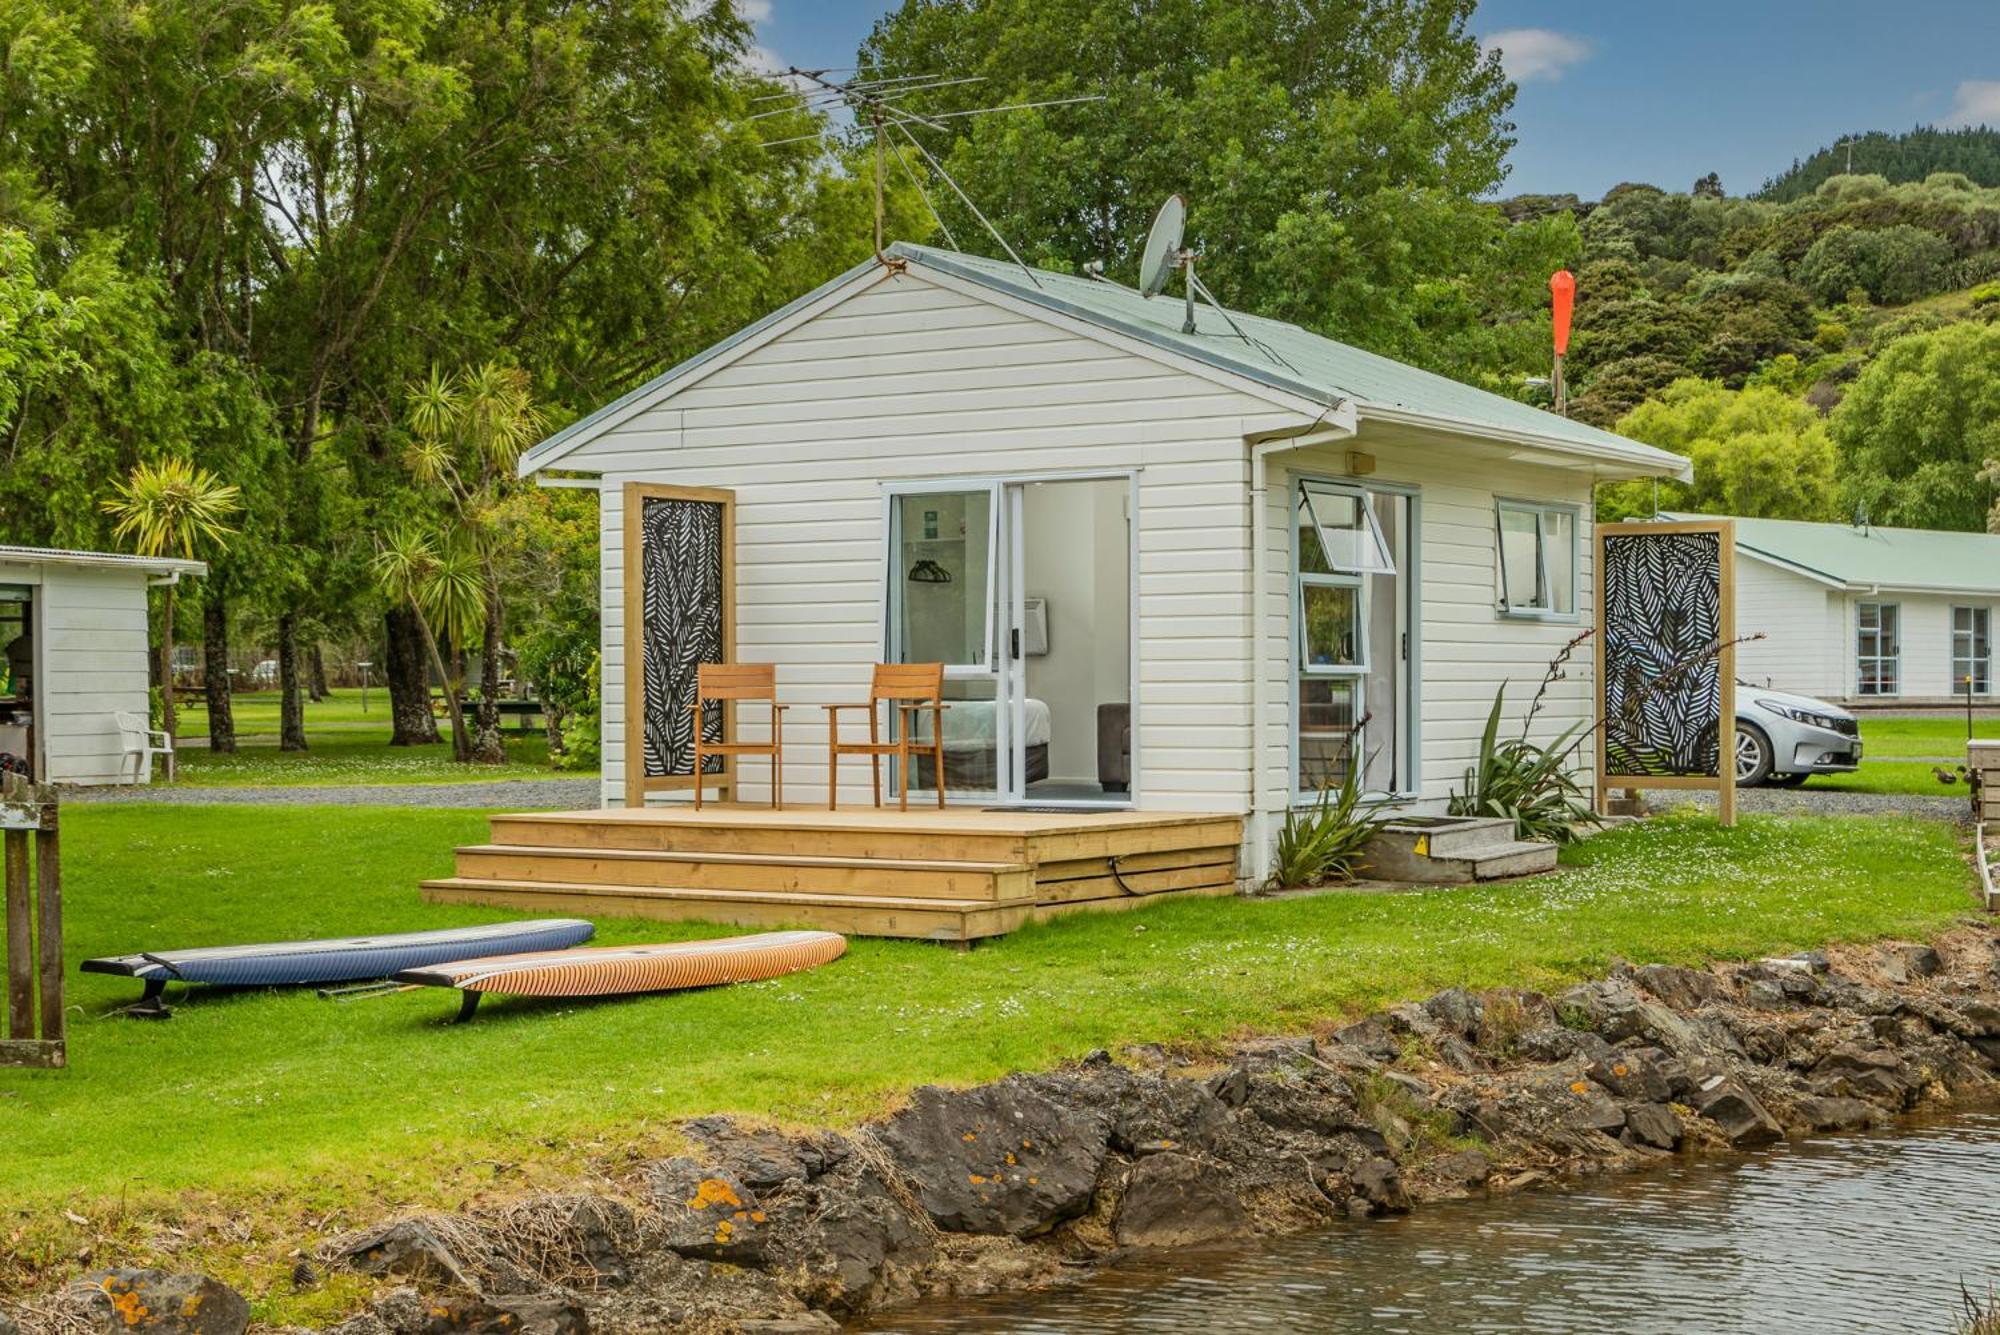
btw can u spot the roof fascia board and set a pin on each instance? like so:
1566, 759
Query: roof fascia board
1791, 567
1132, 339
703, 364
1643, 460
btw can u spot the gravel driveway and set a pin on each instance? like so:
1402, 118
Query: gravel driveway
1815, 802
512, 794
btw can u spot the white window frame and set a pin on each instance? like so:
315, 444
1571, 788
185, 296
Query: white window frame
1893, 659
1409, 588
1969, 661
1541, 510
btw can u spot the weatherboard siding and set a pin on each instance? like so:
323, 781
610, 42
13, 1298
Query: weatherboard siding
1800, 620
910, 381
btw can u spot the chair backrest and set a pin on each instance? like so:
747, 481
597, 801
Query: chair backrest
737, 681
907, 681
131, 730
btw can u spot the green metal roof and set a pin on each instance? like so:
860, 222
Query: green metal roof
1293, 359
1891, 558
1283, 356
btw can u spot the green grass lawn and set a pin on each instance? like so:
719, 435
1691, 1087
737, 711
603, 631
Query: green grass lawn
345, 744
1889, 736
332, 1112
343, 757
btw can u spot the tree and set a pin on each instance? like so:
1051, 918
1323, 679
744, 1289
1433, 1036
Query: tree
444, 589
171, 508
1758, 453
1893, 265
466, 432
1918, 426
1335, 153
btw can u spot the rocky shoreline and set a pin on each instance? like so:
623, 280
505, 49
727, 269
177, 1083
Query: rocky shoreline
1034, 1179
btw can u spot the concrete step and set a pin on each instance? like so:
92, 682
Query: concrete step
1449, 836
1409, 855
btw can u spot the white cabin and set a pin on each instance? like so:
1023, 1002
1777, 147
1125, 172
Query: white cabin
73, 656
1866, 615
1189, 572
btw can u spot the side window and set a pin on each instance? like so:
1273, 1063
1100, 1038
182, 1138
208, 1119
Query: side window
1537, 566
1971, 650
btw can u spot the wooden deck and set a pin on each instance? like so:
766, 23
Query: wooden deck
951, 875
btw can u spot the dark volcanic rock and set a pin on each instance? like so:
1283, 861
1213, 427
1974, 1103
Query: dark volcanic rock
1835, 1114
1683, 989
1016, 1157
762, 1158
1878, 1075
1175, 1200
1653, 1124
1736, 1112
1380, 1182
1165, 1112
519, 1314
1457, 1011
155, 1301
408, 1249
713, 1214
1634, 1073
1465, 1168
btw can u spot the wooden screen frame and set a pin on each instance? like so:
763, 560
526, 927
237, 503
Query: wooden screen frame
1723, 784
637, 782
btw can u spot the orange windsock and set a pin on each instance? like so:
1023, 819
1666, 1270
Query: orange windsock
1562, 287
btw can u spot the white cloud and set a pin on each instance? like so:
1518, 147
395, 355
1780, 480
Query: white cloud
756, 11
1528, 54
1977, 102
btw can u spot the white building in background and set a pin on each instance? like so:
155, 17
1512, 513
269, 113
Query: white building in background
74, 643
1866, 615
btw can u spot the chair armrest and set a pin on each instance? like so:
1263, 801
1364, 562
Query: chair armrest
834, 709
161, 733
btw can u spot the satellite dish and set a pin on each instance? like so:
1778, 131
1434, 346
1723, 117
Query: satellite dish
1163, 246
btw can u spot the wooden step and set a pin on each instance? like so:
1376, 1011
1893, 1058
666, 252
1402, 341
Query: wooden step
709, 870
1138, 874
855, 915
687, 834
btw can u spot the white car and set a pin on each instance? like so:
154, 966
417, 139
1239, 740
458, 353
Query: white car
1786, 739
265, 673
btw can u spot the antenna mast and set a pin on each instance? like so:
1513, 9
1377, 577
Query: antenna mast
878, 102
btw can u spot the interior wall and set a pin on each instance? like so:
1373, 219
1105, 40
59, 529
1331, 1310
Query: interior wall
1077, 557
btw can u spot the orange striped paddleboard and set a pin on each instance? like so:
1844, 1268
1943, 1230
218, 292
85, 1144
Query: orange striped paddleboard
603, 971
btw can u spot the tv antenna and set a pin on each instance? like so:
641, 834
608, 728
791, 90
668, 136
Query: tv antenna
1165, 252
881, 105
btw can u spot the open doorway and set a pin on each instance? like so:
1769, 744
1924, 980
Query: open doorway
1072, 640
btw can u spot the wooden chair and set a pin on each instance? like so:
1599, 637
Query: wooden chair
730, 682
910, 688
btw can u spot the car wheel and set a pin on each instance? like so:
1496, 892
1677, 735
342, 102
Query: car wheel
1753, 755
1789, 780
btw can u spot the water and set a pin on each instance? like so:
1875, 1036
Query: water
1847, 1233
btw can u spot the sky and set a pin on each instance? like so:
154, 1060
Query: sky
1645, 90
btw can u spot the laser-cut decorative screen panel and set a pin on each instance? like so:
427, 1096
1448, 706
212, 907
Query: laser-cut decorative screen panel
685, 624
1666, 665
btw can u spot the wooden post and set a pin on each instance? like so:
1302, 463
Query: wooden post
33, 916
20, 941
1725, 799
48, 924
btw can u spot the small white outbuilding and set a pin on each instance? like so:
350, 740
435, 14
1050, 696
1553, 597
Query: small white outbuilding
73, 657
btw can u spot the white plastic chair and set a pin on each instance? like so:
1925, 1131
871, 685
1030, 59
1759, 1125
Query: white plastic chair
141, 745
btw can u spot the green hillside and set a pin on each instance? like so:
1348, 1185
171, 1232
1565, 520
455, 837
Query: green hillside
1910, 156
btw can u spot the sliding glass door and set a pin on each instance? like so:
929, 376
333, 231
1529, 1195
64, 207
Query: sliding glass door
1023, 589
